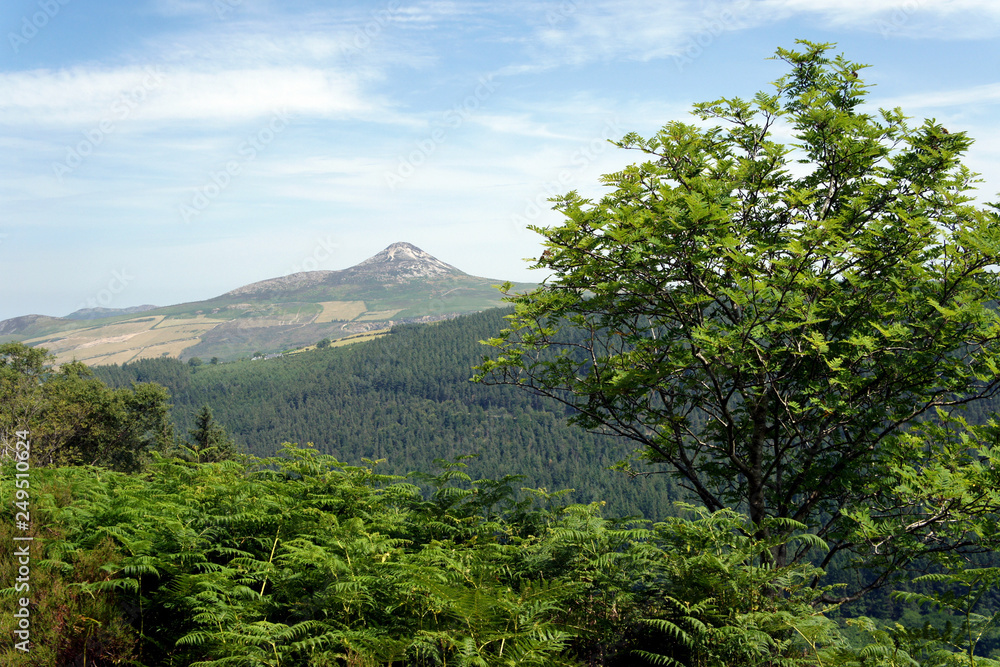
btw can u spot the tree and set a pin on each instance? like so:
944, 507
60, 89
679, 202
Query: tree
209, 441
22, 370
74, 418
776, 324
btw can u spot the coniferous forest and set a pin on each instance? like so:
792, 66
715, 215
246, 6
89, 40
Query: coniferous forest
405, 399
749, 419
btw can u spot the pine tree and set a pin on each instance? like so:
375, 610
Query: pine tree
209, 441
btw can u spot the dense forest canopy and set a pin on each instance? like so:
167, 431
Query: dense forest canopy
405, 398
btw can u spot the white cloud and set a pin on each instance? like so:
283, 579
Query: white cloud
964, 97
646, 29
520, 125
639, 30
853, 10
942, 19
82, 95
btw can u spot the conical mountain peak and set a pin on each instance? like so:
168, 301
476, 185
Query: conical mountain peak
402, 262
399, 263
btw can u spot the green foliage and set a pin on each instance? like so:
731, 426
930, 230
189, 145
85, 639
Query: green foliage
74, 418
772, 322
300, 559
209, 441
69, 623
406, 398
963, 600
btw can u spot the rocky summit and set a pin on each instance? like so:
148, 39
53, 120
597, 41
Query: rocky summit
402, 262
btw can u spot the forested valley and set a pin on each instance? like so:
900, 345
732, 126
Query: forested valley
405, 399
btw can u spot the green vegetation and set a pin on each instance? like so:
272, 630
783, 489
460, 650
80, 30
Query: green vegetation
775, 325
208, 442
74, 418
302, 560
406, 398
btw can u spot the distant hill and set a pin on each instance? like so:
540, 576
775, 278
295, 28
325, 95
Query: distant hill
99, 313
15, 326
400, 284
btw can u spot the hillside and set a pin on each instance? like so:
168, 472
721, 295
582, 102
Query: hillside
400, 284
406, 398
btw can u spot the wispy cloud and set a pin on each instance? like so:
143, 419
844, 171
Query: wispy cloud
641, 30
156, 93
942, 19
646, 30
962, 98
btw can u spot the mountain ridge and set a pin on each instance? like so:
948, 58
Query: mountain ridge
99, 312
399, 284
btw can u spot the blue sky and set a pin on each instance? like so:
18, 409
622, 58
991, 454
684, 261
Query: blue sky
162, 151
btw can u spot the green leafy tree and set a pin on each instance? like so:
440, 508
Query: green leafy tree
74, 418
22, 371
770, 321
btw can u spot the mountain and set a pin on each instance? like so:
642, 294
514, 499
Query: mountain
400, 284
15, 326
99, 313
398, 264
